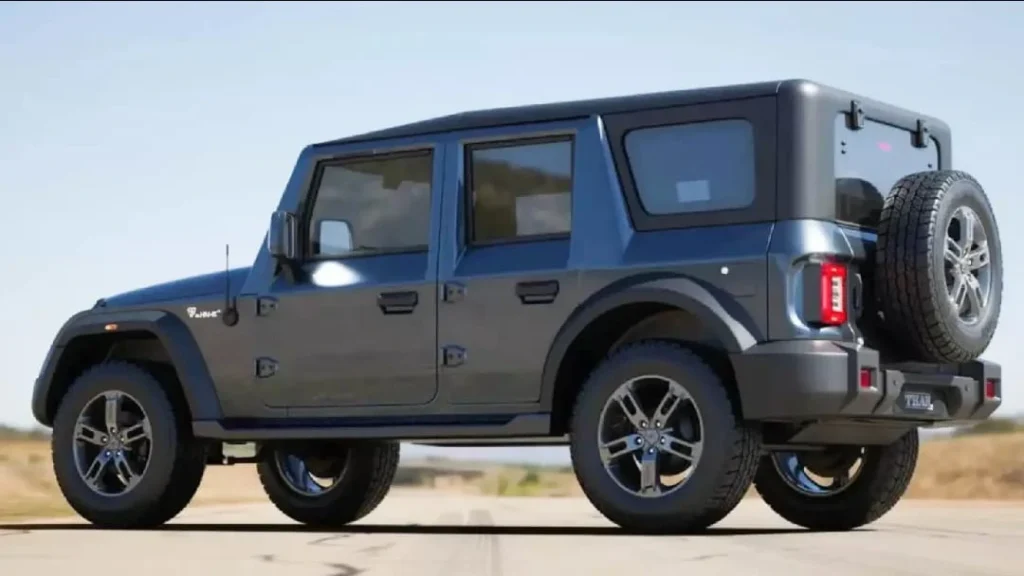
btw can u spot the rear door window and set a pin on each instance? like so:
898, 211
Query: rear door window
869, 162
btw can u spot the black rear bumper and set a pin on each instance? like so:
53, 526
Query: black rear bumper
803, 380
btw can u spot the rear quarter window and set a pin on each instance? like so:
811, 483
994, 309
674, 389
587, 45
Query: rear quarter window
695, 167
868, 162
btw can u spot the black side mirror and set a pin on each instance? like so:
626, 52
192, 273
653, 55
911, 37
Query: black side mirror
282, 239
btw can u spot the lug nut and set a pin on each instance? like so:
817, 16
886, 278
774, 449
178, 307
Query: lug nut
662, 440
650, 450
643, 424
657, 424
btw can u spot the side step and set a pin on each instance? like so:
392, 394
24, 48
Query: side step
424, 428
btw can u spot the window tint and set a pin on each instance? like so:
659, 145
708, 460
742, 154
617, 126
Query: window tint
868, 162
368, 205
698, 167
520, 190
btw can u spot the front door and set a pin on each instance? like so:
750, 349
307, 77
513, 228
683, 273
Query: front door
356, 326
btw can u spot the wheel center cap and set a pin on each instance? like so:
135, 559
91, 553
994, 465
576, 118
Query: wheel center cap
650, 436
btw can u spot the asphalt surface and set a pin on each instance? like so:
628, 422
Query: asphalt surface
428, 534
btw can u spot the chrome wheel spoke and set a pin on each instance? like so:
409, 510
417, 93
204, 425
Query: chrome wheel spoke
137, 432
958, 293
630, 407
94, 474
649, 472
675, 396
124, 470
112, 410
688, 451
968, 221
953, 253
86, 433
974, 293
619, 447
979, 257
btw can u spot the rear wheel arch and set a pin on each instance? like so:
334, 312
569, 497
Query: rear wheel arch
675, 308
155, 340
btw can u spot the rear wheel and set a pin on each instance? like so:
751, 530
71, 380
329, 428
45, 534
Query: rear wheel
122, 456
656, 444
328, 484
841, 488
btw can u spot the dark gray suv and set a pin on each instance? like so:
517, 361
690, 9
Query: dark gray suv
772, 284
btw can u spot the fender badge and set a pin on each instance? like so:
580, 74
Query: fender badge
194, 312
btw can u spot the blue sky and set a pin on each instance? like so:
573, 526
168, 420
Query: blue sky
137, 139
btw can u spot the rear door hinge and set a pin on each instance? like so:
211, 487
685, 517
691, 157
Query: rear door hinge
265, 367
453, 292
265, 305
453, 355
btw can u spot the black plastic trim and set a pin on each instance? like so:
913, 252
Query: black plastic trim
801, 380
392, 428
191, 368
684, 293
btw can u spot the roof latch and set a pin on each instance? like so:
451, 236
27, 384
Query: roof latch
922, 135
855, 116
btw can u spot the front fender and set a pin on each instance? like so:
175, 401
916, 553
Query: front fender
722, 317
172, 333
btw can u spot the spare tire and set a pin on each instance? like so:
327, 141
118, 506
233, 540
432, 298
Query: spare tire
938, 267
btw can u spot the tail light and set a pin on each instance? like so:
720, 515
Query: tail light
833, 282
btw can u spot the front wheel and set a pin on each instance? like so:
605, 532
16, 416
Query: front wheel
122, 456
328, 485
840, 488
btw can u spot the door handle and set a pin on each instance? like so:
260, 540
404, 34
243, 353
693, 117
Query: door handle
397, 302
540, 292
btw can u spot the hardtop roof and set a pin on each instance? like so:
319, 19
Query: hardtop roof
567, 110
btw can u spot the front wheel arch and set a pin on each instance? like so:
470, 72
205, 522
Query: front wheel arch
155, 338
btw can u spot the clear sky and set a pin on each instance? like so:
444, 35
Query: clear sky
136, 139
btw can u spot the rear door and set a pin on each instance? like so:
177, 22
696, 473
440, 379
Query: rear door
506, 282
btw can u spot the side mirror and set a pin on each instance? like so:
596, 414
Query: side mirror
282, 238
334, 238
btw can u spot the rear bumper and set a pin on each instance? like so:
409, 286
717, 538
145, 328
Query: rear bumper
803, 380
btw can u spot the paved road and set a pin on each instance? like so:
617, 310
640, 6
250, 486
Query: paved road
427, 534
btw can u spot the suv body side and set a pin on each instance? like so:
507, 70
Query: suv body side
516, 305
500, 333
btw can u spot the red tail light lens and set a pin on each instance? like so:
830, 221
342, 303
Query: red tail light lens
990, 390
833, 294
865, 378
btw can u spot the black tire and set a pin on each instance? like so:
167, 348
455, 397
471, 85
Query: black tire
883, 479
176, 460
723, 473
369, 471
911, 272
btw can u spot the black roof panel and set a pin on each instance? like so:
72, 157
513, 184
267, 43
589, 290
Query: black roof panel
567, 110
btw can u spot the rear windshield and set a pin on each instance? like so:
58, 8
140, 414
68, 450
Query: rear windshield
868, 162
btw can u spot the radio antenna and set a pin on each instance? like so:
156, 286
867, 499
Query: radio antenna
230, 314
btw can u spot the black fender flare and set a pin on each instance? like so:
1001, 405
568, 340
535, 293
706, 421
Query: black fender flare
197, 385
680, 292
